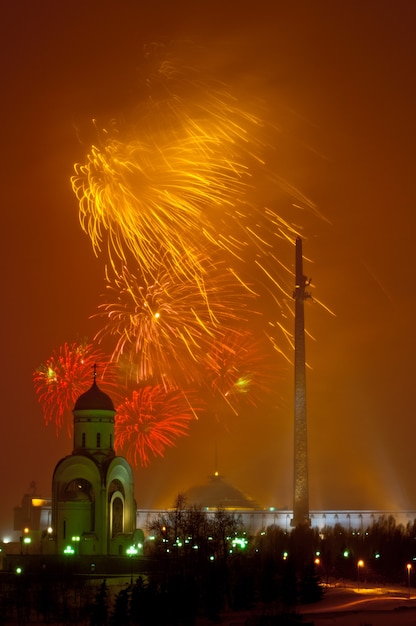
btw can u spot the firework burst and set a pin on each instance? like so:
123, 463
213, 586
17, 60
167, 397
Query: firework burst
65, 376
164, 328
151, 420
186, 170
238, 369
174, 173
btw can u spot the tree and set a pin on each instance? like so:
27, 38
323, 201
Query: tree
121, 612
100, 608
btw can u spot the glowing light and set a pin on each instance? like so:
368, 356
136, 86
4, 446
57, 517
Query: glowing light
241, 542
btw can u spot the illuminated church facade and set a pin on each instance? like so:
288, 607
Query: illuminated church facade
93, 506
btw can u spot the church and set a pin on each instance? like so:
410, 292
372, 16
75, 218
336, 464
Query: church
93, 506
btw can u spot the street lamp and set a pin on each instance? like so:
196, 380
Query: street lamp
360, 565
409, 569
76, 539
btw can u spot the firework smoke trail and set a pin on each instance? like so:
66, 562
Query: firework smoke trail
151, 420
164, 328
66, 375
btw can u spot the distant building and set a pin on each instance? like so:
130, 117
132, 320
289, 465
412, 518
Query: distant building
218, 493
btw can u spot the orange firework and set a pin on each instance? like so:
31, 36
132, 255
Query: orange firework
164, 327
150, 421
133, 194
185, 170
66, 375
182, 164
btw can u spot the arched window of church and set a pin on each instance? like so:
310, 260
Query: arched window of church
83, 440
117, 517
98, 440
78, 489
114, 486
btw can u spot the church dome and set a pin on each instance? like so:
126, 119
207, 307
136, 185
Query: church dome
217, 493
94, 399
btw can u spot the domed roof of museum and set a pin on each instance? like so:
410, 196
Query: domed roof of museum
217, 493
94, 399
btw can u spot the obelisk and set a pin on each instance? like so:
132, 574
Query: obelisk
300, 483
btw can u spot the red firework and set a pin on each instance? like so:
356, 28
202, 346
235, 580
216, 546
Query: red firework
238, 369
66, 375
151, 420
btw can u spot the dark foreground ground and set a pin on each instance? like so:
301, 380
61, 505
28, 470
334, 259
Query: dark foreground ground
348, 605
345, 605
342, 605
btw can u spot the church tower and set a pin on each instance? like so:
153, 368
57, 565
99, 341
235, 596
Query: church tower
93, 505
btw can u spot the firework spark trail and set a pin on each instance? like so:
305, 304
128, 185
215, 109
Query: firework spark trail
185, 171
151, 420
149, 196
66, 375
164, 328
238, 369
173, 196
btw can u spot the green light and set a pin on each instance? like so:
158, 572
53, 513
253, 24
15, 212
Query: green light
27, 540
132, 550
241, 542
19, 570
69, 550
346, 554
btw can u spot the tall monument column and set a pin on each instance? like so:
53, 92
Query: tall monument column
300, 484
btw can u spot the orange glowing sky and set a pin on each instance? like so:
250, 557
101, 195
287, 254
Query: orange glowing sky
337, 79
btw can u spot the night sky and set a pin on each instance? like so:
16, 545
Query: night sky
337, 80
